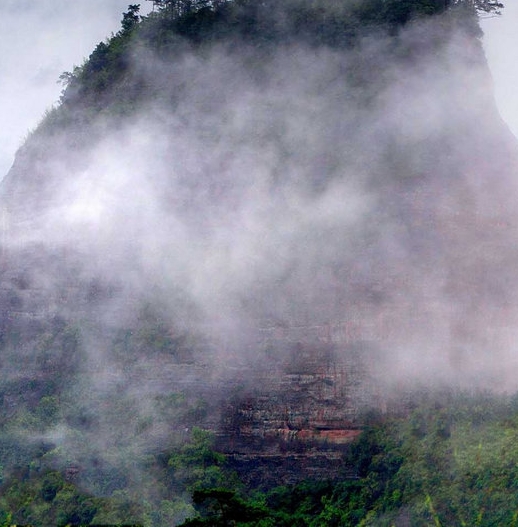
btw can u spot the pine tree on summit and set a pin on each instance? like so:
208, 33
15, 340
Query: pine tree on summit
179, 8
131, 18
486, 6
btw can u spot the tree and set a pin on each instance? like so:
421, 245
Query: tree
488, 6
222, 507
484, 6
196, 465
179, 8
131, 18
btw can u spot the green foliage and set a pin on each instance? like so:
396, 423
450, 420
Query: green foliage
46, 499
106, 82
196, 464
130, 19
152, 333
485, 6
221, 506
450, 461
41, 497
48, 410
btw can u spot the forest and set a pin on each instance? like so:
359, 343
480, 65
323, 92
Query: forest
451, 460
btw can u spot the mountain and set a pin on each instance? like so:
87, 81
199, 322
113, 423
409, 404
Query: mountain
259, 218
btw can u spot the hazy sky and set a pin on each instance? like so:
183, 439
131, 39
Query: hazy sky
501, 44
41, 39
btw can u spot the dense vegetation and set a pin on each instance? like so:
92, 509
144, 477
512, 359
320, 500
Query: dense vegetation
452, 460
106, 81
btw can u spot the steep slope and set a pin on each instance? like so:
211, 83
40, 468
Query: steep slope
284, 221
282, 181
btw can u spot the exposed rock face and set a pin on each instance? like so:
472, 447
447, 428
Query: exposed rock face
295, 419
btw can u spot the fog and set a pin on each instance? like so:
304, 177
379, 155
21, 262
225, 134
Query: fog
371, 192
39, 41
501, 49
291, 194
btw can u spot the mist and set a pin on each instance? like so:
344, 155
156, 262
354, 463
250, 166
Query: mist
500, 49
39, 41
365, 195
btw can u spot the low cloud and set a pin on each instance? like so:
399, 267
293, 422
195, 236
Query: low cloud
366, 194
